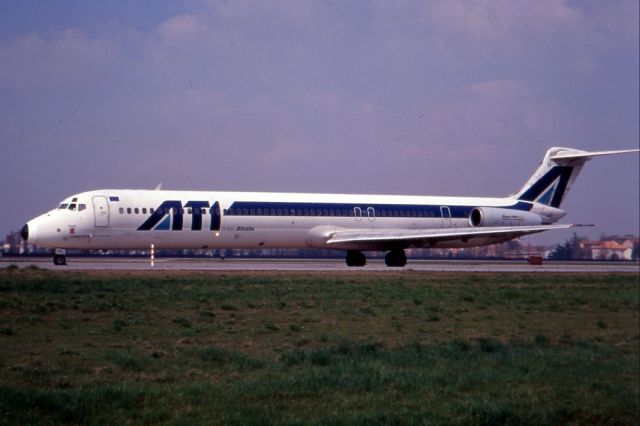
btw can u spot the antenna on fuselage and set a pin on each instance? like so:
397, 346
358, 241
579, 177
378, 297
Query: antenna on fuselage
159, 187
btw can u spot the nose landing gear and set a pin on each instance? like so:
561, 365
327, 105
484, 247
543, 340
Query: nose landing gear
59, 258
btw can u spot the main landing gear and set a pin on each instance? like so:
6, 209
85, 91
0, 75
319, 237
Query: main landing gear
59, 258
395, 258
356, 258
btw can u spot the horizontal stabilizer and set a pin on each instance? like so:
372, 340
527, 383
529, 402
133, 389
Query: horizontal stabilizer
574, 154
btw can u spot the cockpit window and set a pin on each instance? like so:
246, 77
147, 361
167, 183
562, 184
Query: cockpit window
62, 206
81, 207
72, 207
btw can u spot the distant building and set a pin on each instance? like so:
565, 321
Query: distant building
611, 248
13, 244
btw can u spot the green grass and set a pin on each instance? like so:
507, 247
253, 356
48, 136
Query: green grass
311, 348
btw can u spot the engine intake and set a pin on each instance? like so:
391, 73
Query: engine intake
491, 216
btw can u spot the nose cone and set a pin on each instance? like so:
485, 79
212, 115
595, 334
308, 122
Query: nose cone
24, 233
28, 232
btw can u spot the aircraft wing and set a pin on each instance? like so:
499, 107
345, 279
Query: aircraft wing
387, 239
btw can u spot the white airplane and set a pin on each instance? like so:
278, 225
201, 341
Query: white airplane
135, 219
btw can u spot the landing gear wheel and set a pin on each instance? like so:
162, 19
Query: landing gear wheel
356, 258
59, 259
395, 258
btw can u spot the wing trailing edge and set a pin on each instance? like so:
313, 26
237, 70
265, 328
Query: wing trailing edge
375, 239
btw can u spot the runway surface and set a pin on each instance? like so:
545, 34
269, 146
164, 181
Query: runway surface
304, 265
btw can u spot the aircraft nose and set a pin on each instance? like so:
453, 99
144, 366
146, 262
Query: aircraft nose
29, 232
25, 232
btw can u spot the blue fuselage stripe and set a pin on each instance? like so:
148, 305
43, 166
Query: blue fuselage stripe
265, 208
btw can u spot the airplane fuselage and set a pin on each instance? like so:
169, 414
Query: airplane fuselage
135, 219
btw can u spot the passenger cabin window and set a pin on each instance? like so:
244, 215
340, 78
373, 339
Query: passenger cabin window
81, 207
128, 210
121, 210
136, 210
151, 210
144, 210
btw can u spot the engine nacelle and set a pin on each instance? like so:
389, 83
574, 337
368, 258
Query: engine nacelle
492, 216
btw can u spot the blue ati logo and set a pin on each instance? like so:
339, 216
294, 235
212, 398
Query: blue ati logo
169, 216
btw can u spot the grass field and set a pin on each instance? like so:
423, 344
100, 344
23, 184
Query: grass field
318, 348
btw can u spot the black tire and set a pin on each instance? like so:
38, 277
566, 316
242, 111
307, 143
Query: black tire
355, 258
59, 260
395, 259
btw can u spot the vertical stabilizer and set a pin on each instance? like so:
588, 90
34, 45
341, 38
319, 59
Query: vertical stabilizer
556, 174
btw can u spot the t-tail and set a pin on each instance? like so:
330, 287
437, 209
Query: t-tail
556, 174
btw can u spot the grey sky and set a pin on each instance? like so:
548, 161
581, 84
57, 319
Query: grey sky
433, 98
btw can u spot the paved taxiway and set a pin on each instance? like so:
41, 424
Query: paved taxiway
106, 263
